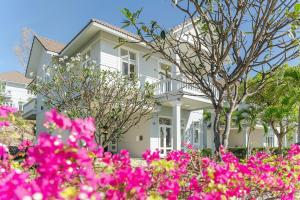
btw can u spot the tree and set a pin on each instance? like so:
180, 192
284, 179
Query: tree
22, 49
249, 116
292, 75
221, 44
82, 89
278, 103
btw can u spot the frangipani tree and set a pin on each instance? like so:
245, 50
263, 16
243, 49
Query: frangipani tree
223, 43
82, 89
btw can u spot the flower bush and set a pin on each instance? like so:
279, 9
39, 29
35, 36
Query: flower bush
80, 169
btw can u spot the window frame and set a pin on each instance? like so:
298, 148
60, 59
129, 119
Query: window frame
136, 64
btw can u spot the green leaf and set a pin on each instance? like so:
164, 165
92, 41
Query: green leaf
297, 7
145, 28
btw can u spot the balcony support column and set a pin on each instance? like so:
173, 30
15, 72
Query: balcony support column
176, 111
175, 72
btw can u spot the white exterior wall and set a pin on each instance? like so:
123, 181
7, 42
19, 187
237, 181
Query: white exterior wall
45, 59
131, 140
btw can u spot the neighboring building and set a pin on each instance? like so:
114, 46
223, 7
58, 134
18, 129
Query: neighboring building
179, 119
13, 89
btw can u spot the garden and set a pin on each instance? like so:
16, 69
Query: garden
81, 169
239, 54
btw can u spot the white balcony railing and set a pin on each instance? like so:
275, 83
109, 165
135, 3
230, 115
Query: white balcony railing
178, 85
30, 107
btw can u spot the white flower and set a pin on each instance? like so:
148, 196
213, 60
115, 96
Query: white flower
83, 196
27, 198
37, 196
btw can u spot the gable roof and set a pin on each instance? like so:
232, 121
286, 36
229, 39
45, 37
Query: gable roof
50, 45
15, 77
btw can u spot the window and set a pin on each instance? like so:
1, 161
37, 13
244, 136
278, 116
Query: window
8, 103
270, 141
129, 64
196, 132
165, 121
86, 58
114, 146
2, 86
139, 138
182, 132
87, 55
29, 92
20, 106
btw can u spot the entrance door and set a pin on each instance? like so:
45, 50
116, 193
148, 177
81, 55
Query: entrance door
165, 136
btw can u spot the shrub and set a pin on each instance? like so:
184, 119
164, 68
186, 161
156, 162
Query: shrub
79, 169
207, 152
239, 152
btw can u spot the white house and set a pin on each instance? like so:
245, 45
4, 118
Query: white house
179, 119
13, 88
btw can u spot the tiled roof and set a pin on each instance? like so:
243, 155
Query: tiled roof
15, 77
51, 45
108, 25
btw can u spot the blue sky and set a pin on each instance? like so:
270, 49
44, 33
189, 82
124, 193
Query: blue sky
62, 19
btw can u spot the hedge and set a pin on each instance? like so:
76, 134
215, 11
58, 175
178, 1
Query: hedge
241, 152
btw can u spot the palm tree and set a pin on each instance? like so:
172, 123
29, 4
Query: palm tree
250, 117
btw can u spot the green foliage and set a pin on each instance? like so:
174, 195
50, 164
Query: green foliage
206, 152
278, 100
241, 152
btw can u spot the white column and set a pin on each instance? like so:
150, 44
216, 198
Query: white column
176, 111
175, 73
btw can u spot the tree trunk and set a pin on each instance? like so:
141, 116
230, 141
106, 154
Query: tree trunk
298, 130
225, 138
280, 138
216, 129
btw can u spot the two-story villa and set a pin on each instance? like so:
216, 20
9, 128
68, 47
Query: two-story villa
13, 89
179, 119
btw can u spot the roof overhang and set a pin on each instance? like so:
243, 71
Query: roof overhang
89, 31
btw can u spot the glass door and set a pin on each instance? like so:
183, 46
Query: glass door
165, 136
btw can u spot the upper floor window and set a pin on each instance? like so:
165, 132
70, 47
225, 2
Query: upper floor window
86, 57
128, 62
2, 86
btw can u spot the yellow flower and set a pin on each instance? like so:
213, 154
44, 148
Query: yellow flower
69, 193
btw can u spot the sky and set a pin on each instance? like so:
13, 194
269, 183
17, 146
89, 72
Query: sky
61, 20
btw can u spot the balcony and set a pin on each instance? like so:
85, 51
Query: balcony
178, 85
29, 109
168, 90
